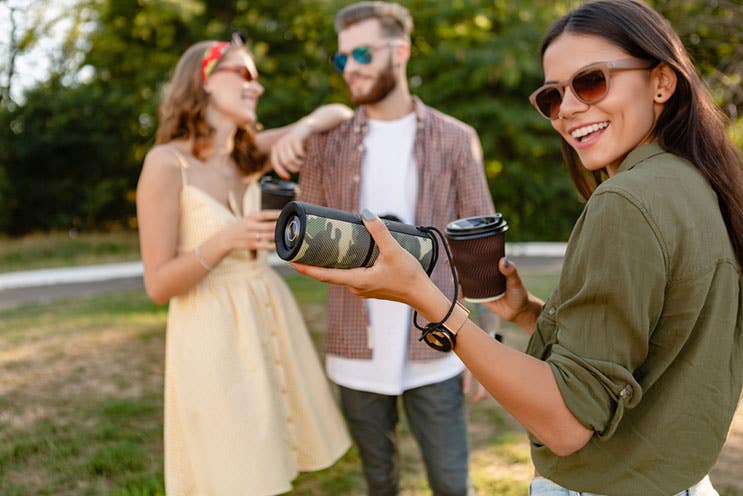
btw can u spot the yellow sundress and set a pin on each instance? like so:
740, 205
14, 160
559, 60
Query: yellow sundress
247, 404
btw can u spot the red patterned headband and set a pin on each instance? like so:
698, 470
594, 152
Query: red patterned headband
211, 58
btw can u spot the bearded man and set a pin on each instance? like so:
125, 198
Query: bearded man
400, 159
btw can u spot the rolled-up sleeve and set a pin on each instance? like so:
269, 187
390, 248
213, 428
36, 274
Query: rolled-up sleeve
611, 297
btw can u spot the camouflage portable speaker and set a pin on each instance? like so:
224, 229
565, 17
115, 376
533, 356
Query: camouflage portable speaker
325, 237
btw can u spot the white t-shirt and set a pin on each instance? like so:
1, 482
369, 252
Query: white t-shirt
389, 185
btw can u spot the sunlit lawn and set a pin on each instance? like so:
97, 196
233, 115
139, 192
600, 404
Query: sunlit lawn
81, 405
64, 249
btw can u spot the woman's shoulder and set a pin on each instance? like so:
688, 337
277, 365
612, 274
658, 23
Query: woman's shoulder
164, 162
170, 155
673, 196
657, 175
663, 164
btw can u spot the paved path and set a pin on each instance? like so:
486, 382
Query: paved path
37, 286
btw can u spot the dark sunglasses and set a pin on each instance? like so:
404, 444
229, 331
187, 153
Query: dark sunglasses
589, 85
240, 70
361, 54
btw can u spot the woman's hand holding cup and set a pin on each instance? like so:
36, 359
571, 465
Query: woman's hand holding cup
517, 305
253, 232
260, 227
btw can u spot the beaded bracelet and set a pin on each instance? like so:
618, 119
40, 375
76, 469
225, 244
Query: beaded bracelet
203, 261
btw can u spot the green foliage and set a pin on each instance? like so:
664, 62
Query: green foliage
5, 213
7, 199
713, 37
69, 165
71, 153
475, 60
478, 61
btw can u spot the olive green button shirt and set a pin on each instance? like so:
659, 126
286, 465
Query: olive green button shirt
644, 332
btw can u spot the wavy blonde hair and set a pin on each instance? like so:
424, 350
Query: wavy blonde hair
182, 113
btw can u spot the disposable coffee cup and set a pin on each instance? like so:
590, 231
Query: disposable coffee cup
276, 193
477, 244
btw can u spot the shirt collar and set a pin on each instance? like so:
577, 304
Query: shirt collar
361, 119
640, 154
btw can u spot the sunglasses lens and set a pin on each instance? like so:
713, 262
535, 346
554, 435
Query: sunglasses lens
339, 61
549, 101
590, 86
246, 74
362, 55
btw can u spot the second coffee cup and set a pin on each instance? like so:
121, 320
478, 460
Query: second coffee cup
477, 244
276, 193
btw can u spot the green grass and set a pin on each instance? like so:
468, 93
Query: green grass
60, 249
82, 399
81, 404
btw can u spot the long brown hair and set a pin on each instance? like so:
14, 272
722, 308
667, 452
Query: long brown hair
182, 112
690, 125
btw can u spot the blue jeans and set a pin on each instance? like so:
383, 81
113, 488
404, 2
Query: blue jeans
436, 418
545, 487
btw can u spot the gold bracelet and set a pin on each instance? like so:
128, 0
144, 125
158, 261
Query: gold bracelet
203, 261
459, 315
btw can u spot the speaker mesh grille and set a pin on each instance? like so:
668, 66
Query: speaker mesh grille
343, 245
421, 247
333, 243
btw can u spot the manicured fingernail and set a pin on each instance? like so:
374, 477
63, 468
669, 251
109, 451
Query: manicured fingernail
367, 214
506, 263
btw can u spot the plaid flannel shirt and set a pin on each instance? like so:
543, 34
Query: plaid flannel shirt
451, 185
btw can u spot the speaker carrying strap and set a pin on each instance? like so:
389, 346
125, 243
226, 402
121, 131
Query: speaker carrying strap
437, 328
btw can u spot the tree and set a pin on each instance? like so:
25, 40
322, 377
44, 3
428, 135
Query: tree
84, 132
475, 60
713, 36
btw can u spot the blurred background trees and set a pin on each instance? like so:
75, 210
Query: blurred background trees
71, 145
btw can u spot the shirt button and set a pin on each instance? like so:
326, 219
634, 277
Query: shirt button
551, 310
356, 178
626, 392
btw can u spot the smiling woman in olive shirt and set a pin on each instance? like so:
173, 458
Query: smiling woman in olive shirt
635, 363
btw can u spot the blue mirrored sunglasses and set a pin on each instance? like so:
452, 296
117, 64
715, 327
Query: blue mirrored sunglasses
361, 54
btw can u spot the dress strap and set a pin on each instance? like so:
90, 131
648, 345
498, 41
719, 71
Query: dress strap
182, 162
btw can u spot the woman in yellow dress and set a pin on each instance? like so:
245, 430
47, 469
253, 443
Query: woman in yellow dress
247, 405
